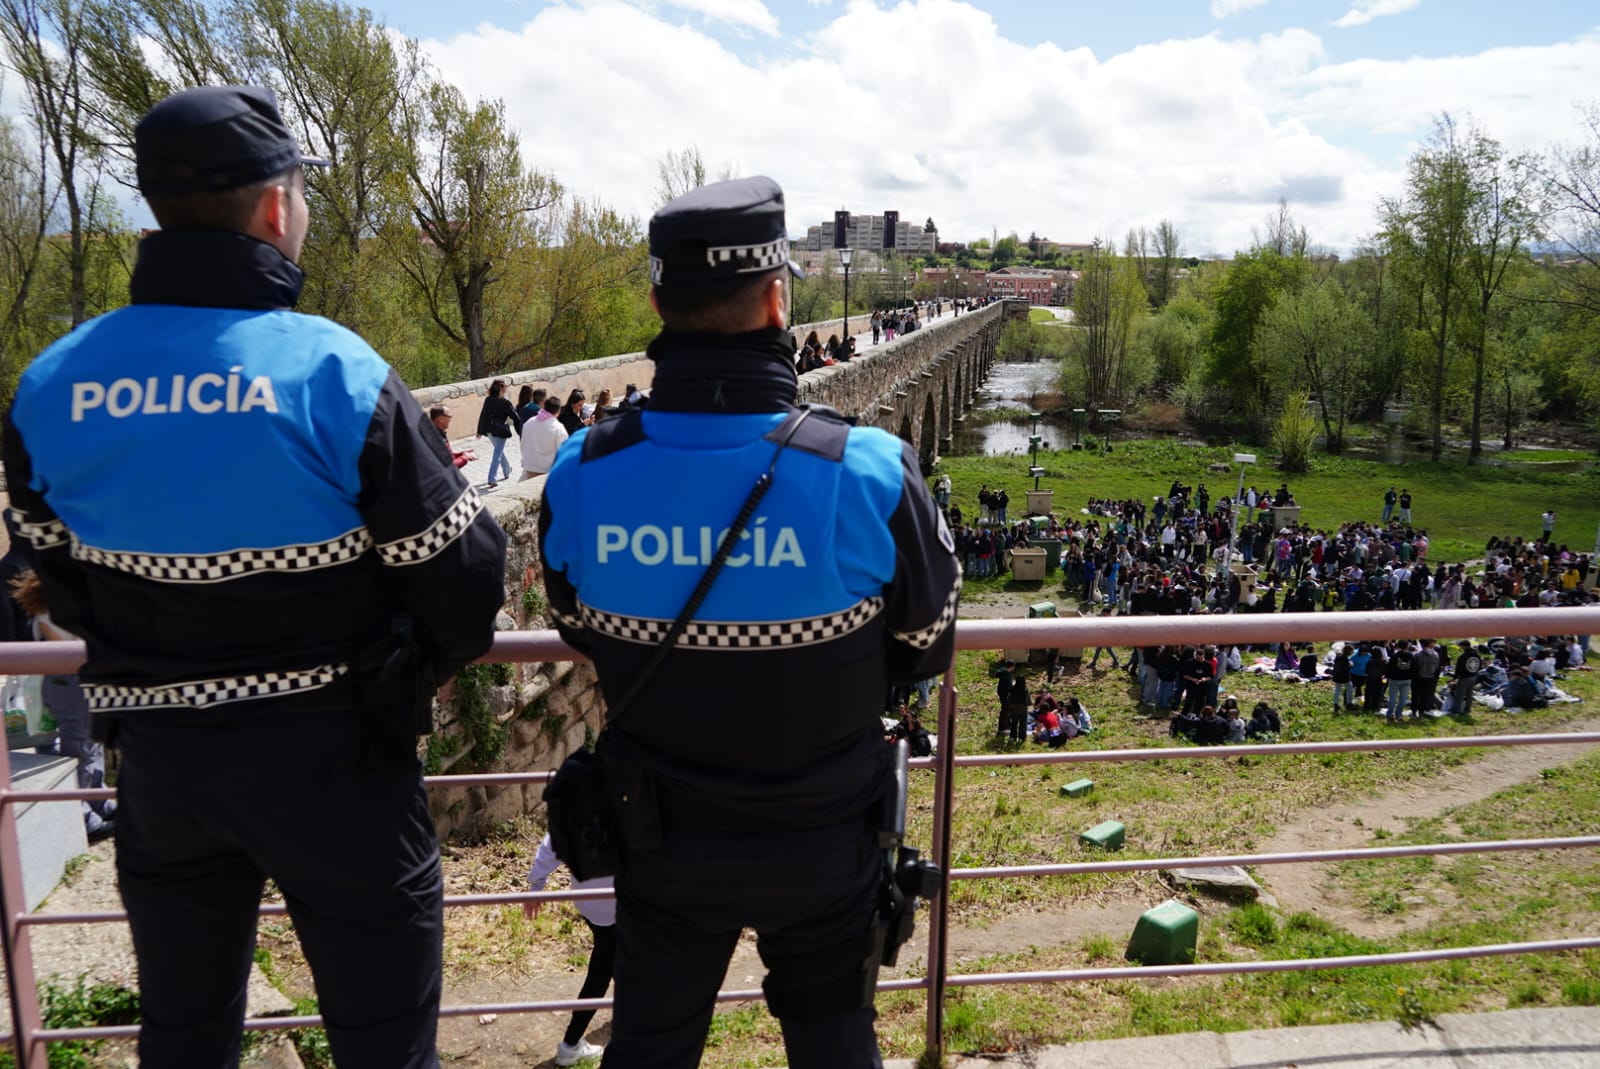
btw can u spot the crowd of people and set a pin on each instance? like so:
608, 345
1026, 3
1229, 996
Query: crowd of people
1188, 552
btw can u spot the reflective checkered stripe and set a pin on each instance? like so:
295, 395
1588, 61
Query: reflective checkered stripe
204, 693
443, 531
927, 636
574, 622
47, 535
750, 257
713, 635
656, 270
219, 567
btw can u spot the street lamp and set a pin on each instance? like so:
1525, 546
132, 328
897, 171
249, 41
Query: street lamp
1240, 459
844, 262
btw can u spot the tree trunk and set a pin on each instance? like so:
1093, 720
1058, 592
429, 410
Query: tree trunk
1438, 395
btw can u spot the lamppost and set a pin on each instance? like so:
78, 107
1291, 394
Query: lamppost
1240, 459
844, 262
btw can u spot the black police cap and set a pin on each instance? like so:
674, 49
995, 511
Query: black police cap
720, 233
214, 138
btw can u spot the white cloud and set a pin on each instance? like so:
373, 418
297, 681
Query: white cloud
752, 14
1222, 9
1364, 11
983, 132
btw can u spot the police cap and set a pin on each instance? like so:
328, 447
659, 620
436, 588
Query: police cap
720, 233
214, 138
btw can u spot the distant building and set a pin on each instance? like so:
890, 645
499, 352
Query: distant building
955, 281
1029, 283
867, 232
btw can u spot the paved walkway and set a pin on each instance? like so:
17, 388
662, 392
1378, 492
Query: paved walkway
1566, 1038
477, 470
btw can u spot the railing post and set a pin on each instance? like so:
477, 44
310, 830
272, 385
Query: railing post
15, 941
939, 908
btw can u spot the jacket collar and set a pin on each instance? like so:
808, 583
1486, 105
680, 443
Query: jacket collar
723, 373
214, 269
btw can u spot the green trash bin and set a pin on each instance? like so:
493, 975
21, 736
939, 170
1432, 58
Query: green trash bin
1165, 935
1052, 552
1043, 609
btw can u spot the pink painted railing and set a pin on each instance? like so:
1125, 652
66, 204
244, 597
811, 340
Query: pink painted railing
29, 1038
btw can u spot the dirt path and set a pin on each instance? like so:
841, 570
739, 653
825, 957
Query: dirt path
1310, 887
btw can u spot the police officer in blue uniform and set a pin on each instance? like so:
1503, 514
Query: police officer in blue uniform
758, 736
263, 543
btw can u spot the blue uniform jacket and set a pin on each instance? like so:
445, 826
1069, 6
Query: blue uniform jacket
230, 501
844, 582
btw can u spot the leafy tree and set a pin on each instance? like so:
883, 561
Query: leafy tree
24, 219
1162, 279
341, 78
1318, 336
1368, 279
811, 298
44, 40
1173, 341
1241, 296
471, 203
1572, 188
1108, 305
1005, 251
1503, 216
1429, 229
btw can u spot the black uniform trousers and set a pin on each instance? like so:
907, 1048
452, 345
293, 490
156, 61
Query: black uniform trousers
208, 812
680, 911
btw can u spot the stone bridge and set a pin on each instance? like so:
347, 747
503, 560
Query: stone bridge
530, 717
918, 386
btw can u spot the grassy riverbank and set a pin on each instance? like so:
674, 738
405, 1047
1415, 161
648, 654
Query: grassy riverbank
1461, 506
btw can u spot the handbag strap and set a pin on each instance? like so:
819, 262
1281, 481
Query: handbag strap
703, 588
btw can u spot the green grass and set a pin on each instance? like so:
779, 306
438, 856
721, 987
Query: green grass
1040, 315
1545, 456
1460, 506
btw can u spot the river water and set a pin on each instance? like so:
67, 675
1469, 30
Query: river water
1010, 386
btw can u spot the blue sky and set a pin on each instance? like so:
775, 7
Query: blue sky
1074, 118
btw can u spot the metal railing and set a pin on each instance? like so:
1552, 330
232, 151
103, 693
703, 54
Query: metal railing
30, 1038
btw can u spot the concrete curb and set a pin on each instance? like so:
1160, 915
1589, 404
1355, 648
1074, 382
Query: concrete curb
1563, 1038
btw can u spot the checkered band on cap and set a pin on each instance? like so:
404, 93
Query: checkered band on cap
925, 637
219, 567
748, 258
715, 635
443, 531
45, 535
657, 269
203, 693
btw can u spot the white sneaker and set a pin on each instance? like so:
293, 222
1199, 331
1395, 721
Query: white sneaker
566, 1055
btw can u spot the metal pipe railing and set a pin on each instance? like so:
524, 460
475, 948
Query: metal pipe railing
29, 1038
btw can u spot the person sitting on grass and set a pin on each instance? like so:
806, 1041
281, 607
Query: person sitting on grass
1236, 725
1264, 723
1212, 730
1079, 715
1048, 729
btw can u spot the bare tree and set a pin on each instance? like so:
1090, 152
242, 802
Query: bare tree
1282, 235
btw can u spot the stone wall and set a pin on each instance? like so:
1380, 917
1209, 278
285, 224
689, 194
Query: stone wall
534, 715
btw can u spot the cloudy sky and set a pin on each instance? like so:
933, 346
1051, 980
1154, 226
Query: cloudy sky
1072, 118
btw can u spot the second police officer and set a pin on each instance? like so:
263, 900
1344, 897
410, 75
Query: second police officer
843, 582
